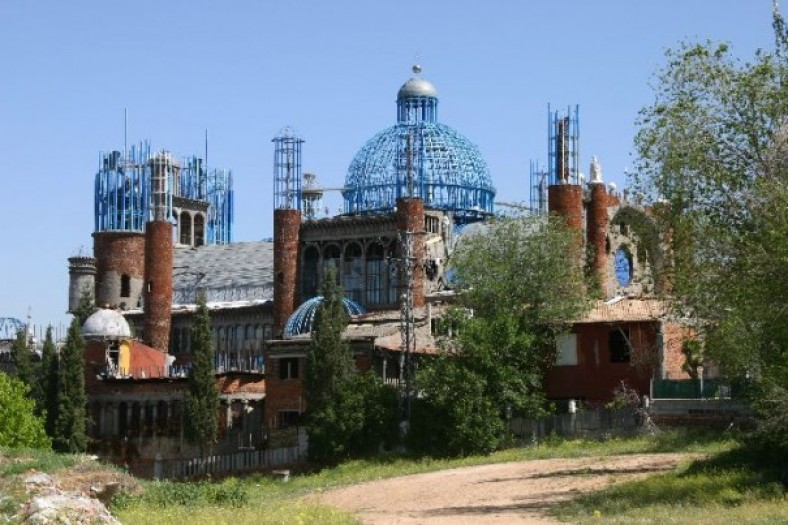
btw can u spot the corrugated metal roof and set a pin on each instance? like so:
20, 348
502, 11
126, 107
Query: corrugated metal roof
626, 310
235, 272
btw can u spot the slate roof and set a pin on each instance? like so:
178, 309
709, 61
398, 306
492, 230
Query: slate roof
227, 273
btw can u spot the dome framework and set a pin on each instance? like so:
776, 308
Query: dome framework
420, 157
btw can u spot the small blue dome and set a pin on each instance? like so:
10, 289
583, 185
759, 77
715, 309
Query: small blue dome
303, 319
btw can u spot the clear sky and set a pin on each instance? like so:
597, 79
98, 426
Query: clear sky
331, 69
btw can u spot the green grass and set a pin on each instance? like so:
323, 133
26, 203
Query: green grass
259, 499
724, 487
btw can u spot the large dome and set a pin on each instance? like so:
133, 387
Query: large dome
421, 155
302, 320
106, 324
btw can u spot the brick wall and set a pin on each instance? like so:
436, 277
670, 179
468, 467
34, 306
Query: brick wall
597, 221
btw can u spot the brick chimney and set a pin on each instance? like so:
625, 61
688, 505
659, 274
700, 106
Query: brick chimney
287, 228
410, 218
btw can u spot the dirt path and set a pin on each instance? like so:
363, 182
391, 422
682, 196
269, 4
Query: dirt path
503, 493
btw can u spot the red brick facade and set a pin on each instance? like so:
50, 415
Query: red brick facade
596, 374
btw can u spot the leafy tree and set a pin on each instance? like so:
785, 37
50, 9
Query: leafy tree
19, 426
334, 410
70, 422
21, 356
379, 406
714, 147
522, 267
520, 284
48, 381
202, 398
86, 306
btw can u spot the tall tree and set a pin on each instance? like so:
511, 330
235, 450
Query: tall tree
70, 423
334, 412
48, 379
21, 356
714, 146
202, 398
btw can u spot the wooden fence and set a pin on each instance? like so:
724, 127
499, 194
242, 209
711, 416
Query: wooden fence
583, 423
229, 464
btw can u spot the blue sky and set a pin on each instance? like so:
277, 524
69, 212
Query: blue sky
331, 69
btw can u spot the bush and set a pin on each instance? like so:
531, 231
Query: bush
453, 416
19, 426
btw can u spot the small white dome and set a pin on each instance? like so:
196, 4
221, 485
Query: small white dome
106, 324
417, 87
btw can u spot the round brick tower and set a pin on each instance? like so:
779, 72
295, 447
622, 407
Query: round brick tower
410, 218
287, 226
597, 232
566, 200
120, 268
81, 278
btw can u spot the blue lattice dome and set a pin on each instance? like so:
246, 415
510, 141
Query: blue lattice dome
303, 319
421, 155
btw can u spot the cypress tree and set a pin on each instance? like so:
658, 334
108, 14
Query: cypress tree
48, 382
86, 306
202, 398
334, 412
20, 353
70, 422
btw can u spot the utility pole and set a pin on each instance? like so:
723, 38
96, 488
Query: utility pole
405, 263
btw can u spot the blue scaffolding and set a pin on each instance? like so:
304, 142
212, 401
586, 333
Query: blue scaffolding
123, 197
420, 157
287, 170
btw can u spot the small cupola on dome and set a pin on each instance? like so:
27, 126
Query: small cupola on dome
417, 87
303, 319
106, 324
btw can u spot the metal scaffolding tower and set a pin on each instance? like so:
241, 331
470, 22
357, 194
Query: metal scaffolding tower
563, 145
287, 170
539, 179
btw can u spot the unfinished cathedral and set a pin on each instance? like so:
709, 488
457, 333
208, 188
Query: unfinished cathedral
163, 235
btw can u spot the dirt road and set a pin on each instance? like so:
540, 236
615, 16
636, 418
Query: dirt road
503, 493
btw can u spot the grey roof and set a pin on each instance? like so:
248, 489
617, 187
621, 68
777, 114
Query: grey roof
235, 272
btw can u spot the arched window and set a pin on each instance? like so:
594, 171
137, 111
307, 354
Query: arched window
311, 278
125, 286
199, 230
186, 228
377, 275
623, 266
352, 272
